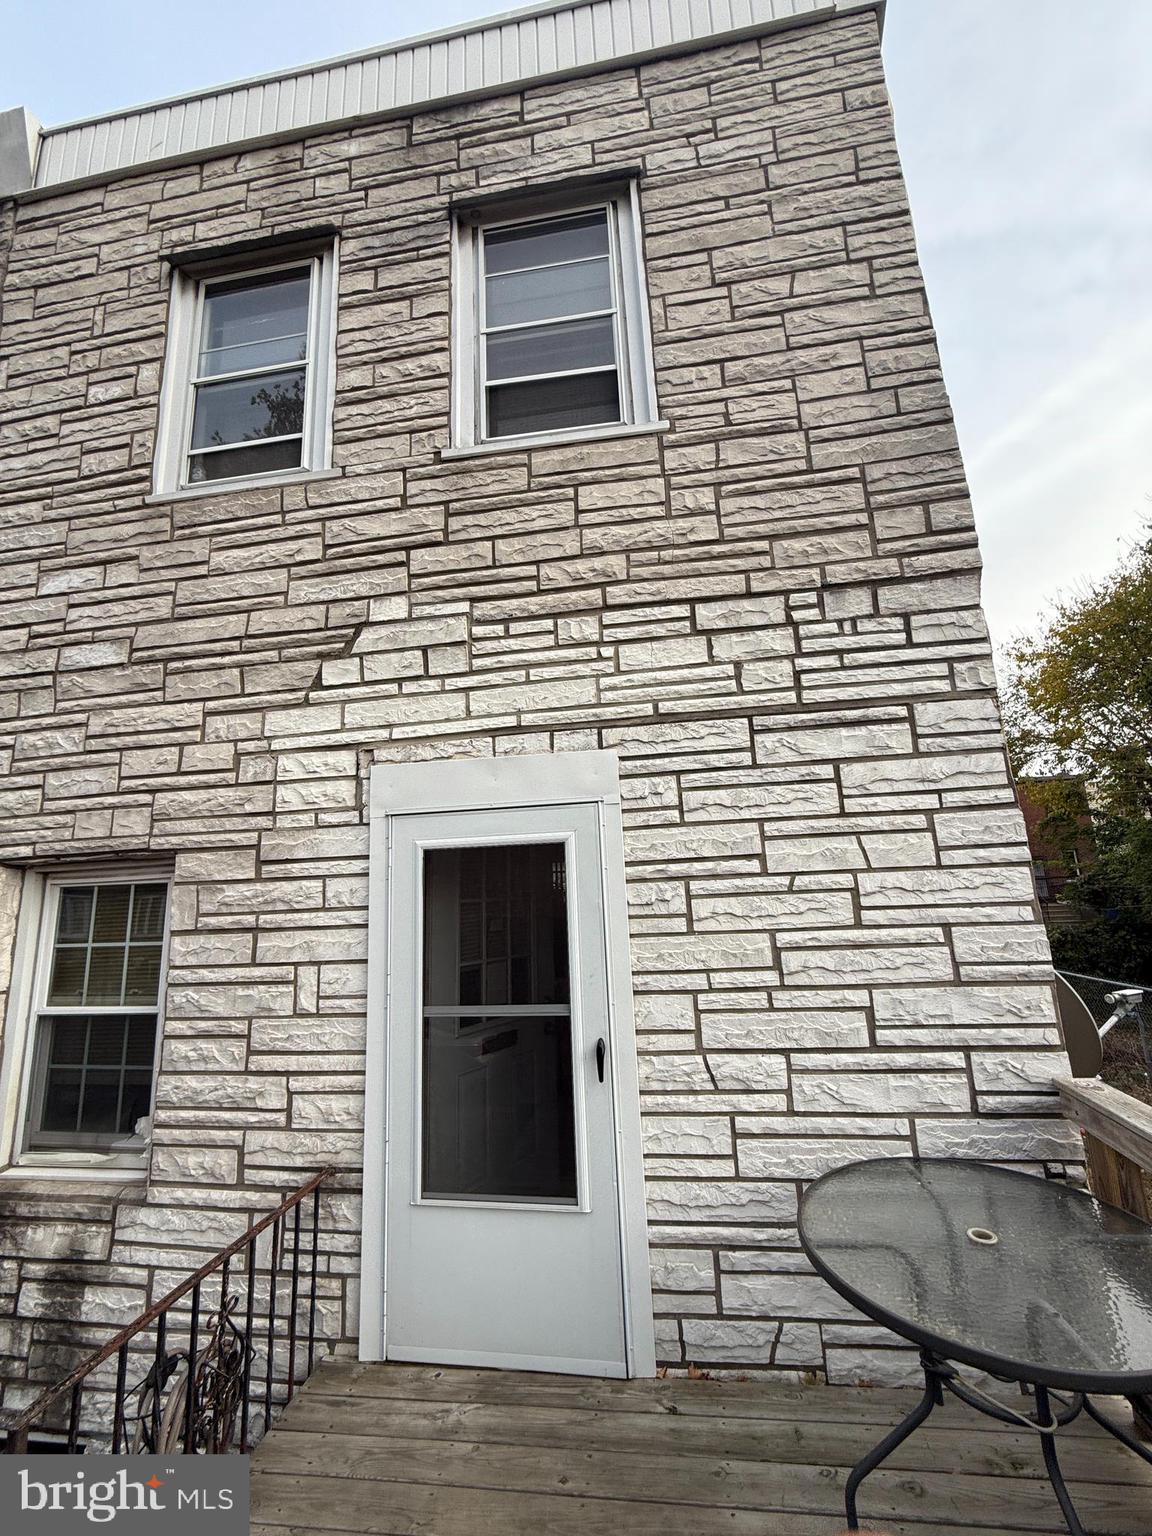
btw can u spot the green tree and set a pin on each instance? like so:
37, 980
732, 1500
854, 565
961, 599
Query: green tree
1078, 715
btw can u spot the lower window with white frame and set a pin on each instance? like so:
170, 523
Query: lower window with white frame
95, 1017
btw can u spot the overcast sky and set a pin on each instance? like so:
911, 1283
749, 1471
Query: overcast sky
1025, 128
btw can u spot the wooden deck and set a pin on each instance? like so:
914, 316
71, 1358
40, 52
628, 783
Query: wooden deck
400, 1450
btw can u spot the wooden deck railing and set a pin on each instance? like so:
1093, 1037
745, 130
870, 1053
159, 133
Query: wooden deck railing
1117, 1132
1117, 1140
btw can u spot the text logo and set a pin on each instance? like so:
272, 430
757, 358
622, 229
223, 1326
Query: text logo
61, 1495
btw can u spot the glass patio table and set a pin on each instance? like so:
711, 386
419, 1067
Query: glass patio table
1020, 1277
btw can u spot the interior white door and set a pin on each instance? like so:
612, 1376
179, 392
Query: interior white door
502, 1229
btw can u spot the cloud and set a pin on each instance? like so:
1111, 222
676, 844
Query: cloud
1107, 382
1065, 484
1025, 133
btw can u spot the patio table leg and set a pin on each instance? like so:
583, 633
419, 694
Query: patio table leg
1052, 1465
1142, 1413
1116, 1432
933, 1397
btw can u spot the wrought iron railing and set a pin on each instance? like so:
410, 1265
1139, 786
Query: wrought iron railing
199, 1398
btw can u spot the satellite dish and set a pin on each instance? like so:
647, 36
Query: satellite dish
1078, 1031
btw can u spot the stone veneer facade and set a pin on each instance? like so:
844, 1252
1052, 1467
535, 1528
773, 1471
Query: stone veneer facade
769, 611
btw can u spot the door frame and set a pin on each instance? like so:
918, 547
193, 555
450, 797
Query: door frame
490, 784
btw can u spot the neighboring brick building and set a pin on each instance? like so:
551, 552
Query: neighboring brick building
1058, 824
714, 535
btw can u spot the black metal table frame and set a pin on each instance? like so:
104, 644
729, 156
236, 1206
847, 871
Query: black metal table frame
1072, 1389
940, 1377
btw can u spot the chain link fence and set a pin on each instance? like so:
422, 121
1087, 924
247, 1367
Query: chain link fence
1128, 1043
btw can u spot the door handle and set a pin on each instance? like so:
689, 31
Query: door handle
601, 1052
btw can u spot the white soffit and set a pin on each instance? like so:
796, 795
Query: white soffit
477, 59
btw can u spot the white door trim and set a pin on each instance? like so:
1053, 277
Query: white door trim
487, 784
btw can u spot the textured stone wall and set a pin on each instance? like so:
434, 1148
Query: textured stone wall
770, 612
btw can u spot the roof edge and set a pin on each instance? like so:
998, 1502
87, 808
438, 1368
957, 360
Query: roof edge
357, 56
456, 64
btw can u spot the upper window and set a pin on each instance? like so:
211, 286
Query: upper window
553, 337
95, 1013
247, 383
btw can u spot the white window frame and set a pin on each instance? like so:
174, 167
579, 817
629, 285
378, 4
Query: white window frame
633, 337
32, 961
178, 393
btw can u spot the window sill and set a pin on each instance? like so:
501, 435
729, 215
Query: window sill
241, 483
76, 1169
79, 1184
554, 439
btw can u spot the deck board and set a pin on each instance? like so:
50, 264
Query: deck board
385, 1450
991, 1452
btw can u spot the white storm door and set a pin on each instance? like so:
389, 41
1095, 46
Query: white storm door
502, 1227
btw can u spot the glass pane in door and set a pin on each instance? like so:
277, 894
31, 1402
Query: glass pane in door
497, 1107
495, 926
